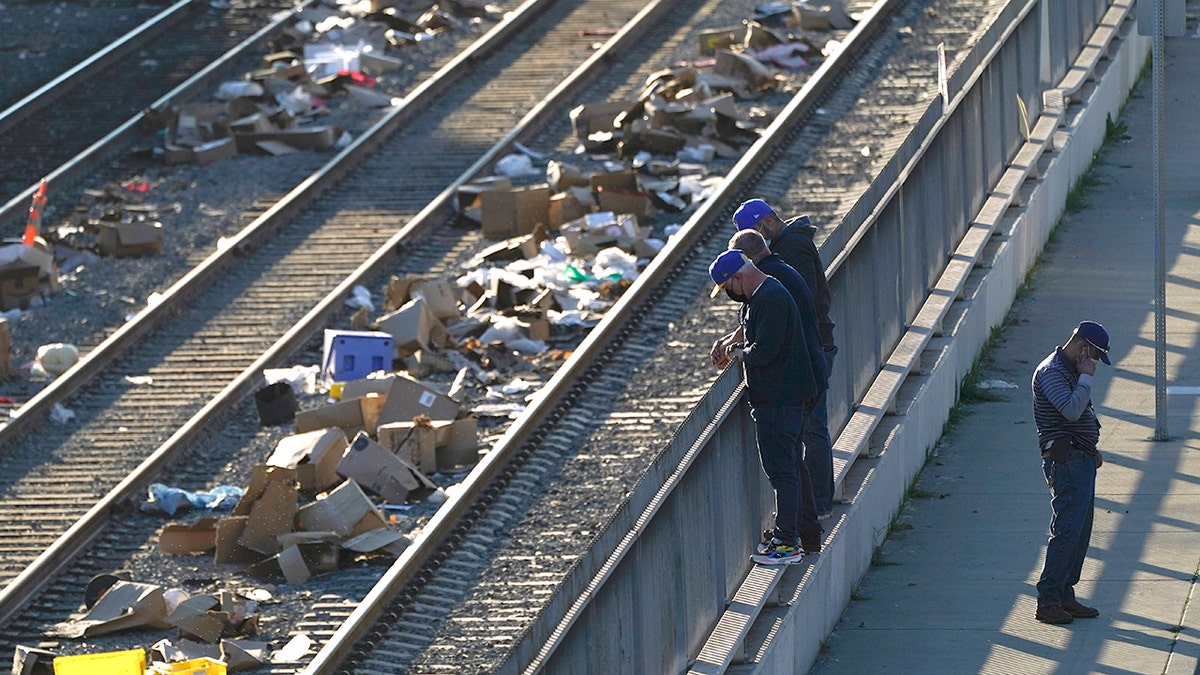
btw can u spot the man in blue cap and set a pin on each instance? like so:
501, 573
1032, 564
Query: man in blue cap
1068, 432
794, 242
779, 382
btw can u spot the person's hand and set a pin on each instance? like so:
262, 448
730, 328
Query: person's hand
718, 356
1085, 365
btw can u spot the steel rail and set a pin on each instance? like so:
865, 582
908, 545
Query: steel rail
52, 90
75, 540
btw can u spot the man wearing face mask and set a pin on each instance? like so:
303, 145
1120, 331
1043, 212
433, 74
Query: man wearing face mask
794, 242
1068, 432
779, 382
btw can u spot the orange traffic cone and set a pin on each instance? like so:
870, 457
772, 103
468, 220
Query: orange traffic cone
35, 215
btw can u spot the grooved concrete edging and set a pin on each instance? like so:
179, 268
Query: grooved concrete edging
820, 597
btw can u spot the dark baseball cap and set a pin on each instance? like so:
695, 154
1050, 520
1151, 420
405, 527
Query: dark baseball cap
1095, 335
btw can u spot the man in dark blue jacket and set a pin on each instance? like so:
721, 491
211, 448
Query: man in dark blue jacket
794, 241
779, 382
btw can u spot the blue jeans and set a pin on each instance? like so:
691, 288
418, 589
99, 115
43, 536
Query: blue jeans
818, 449
1073, 489
777, 433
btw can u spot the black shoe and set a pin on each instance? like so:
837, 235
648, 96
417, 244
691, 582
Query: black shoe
1053, 614
1080, 611
811, 547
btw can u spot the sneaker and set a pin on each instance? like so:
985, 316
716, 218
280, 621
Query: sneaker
1053, 614
825, 516
811, 547
1079, 610
779, 554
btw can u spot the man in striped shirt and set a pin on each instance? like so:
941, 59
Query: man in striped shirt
1068, 432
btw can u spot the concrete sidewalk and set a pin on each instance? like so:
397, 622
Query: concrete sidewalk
954, 589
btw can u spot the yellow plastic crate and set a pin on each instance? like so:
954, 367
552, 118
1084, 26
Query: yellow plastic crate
200, 666
130, 662
203, 665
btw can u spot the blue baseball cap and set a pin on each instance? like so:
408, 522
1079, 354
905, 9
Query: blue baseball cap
724, 267
750, 212
1095, 335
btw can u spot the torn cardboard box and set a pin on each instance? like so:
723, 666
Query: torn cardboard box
376, 469
345, 510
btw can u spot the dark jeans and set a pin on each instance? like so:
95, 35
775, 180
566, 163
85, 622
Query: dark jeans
818, 449
777, 432
1073, 489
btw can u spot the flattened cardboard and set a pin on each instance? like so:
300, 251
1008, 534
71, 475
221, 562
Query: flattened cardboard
345, 415
377, 470
409, 398
176, 539
320, 449
222, 148
125, 605
373, 540
126, 240
242, 655
273, 514
302, 138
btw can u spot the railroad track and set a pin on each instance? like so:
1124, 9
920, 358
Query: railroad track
192, 358
611, 413
59, 120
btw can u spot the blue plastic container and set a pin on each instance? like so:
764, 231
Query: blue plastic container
352, 355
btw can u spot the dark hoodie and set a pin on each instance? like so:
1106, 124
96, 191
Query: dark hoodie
796, 245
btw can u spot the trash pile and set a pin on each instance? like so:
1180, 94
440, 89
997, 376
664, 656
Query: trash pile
213, 631
328, 52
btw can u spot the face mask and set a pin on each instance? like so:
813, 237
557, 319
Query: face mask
735, 296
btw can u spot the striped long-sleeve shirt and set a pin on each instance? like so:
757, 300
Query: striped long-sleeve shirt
1062, 403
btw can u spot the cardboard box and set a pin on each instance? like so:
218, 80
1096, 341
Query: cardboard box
346, 511
441, 297
351, 355
124, 240
320, 449
201, 537
411, 326
592, 117
378, 383
623, 201
460, 444
409, 398
376, 469
712, 40
414, 443
617, 180
511, 213
18, 285
469, 194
